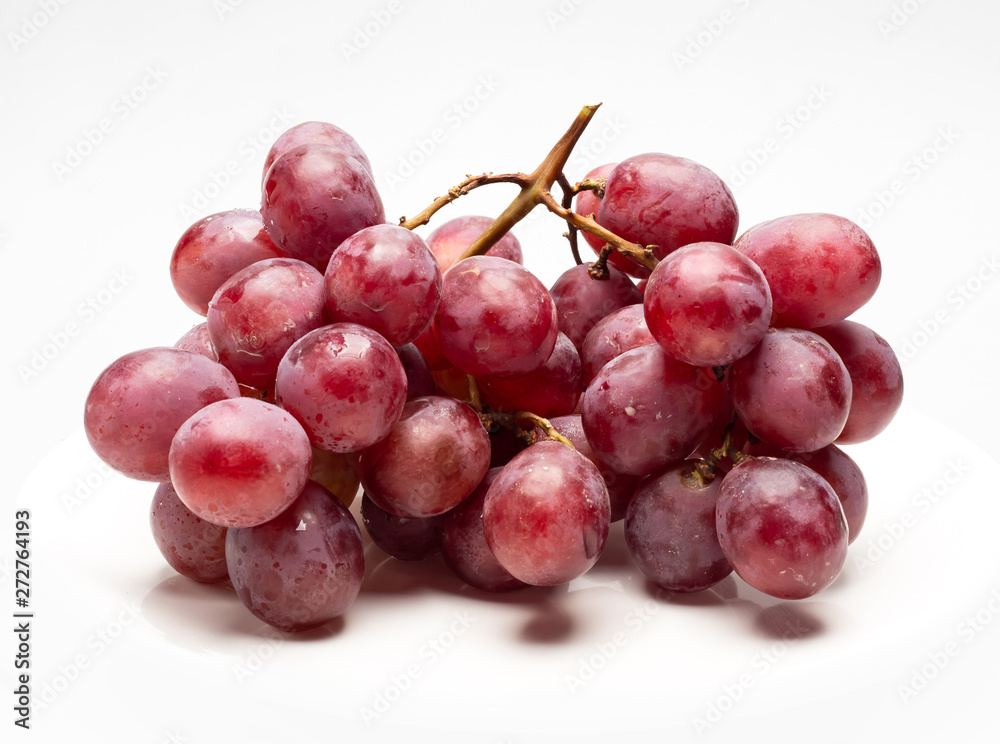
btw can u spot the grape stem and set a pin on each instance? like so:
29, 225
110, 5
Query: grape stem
544, 424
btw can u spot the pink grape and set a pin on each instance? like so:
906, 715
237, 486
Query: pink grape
193, 547
581, 301
792, 390
645, 410
707, 304
419, 378
876, 378
781, 527
198, 340
429, 461
667, 202
551, 390
404, 538
140, 400
301, 569
240, 462
344, 384
386, 278
463, 543
315, 132
613, 335
314, 198
670, 530
449, 241
495, 319
589, 205
820, 267
261, 311
215, 248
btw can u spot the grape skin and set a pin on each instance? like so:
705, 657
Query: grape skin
337, 472
419, 378
792, 390
449, 241
581, 301
781, 527
301, 569
198, 340
193, 547
140, 400
613, 335
404, 538
429, 461
239, 462
344, 384
315, 132
588, 205
546, 516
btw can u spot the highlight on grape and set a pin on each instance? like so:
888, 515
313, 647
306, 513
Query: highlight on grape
693, 379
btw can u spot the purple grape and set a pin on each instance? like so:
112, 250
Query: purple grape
301, 569
452, 238
670, 530
781, 527
193, 547
344, 384
419, 379
430, 460
551, 390
792, 390
315, 132
582, 301
140, 400
546, 516
613, 335
404, 538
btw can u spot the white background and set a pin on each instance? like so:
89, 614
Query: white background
885, 112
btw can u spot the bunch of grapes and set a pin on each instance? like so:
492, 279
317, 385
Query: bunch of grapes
689, 381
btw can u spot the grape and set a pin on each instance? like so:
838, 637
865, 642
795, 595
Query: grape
314, 198
199, 341
315, 132
239, 462
546, 516
838, 469
404, 538
384, 277
551, 390
707, 304
452, 239
430, 348
620, 486
337, 472
344, 384
191, 545
781, 527
261, 311
645, 410
582, 301
820, 267
215, 248
876, 378
301, 569
667, 202
613, 335
670, 530
138, 402
419, 379
792, 390
463, 543
589, 205
431, 459
496, 318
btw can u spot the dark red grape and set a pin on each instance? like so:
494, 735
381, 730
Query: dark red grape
419, 378
449, 241
613, 335
315, 132
404, 538
430, 348
551, 390
193, 547
581, 301
301, 569
589, 205
820, 267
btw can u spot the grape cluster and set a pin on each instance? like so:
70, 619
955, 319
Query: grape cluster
691, 381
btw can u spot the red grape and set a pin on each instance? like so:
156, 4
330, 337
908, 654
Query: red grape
613, 335
301, 569
193, 547
404, 538
315, 132
551, 390
419, 378
589, 205
198, 340
820, 267
582, 301
449, 241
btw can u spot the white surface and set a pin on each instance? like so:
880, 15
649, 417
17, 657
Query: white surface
865, 104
